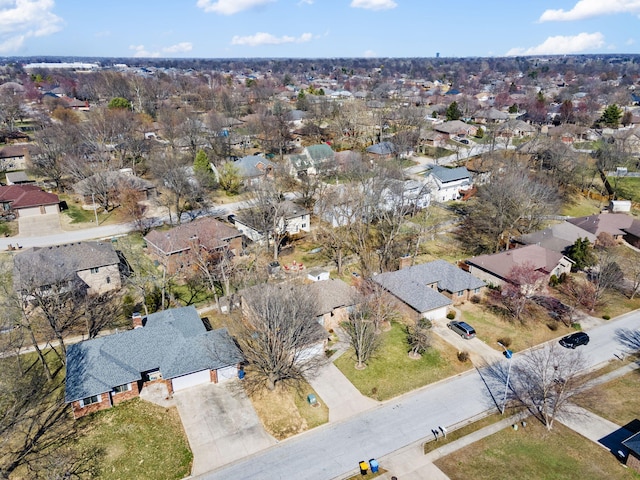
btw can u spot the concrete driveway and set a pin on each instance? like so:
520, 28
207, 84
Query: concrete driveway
338, 393
221, 425
481, 354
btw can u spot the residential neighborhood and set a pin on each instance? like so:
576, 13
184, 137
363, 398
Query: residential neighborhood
382, 265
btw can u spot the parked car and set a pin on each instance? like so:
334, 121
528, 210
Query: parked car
464, 141
574, 340
462, 328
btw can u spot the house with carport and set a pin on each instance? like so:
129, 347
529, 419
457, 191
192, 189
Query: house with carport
171, 347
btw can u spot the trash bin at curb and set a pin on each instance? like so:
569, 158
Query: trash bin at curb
364, 467
373, 463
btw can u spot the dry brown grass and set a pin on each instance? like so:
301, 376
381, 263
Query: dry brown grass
616, 400
285, 412
490, 327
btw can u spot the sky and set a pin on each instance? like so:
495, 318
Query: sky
317, 28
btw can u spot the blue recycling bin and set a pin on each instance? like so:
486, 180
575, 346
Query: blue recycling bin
373, 463
241, 374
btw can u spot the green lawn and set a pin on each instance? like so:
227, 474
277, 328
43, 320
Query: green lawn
140, 440
534, 453
391, 372
79, 215
627, 188
616, 400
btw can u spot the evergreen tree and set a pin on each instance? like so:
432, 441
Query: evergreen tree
611, 116
453, 112
582, 254
202, 170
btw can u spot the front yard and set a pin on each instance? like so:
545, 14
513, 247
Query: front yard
139, 440
391, 372
533, 452
616, 400
491, 327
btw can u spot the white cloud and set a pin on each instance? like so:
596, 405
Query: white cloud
630, 41
181, 47
374, 4
561, 45
369, 54
262, 38
22, 19
229, 7
591, 8
305, 2
140, 51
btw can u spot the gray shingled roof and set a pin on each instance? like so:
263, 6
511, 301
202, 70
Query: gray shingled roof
446, 175
254, 166
411, 285
557, 237
174, 341
65, 260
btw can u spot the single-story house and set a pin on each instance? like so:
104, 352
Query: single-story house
490, 115
171, 346
334, 299
632, 234
382, 150
456, 128
314, 160
253, 168
515, 128
496, 269
27, 201
558, 237
430, 288
94, 265
612, 223
293, 220
446, 183
172, 248
114, 181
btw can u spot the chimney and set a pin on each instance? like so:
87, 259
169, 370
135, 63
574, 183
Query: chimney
137, 320
405, 261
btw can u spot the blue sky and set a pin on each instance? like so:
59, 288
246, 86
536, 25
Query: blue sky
317, 28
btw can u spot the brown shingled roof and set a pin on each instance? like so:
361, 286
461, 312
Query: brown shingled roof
23, 196
211, 234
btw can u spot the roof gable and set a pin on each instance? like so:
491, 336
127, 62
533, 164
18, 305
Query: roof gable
174, 341
207, 232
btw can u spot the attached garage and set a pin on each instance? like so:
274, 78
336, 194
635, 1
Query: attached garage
227, 373
191, 380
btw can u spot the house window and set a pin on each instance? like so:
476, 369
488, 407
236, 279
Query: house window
122, 388
460, 293
476, 290
90, 400
95, 269
304, 225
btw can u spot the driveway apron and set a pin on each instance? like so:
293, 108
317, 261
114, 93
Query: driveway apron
221, 425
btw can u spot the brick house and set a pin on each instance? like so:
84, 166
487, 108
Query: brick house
430, 288
93, 265
171, 347
172, 248
612, 223
495, 269
633, 446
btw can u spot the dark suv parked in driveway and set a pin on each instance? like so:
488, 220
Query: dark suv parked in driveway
462, 328
574, 340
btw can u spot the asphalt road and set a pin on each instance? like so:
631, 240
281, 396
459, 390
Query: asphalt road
335, 449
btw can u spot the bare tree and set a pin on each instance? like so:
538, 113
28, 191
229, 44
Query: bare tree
543, 381
523, 282
361, 329
278, 327
183, 189
419, 337
631, 268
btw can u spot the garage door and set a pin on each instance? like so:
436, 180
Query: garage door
311, 352
191, 380
227, 373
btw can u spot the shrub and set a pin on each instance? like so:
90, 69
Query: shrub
451, 315
576, 326
553, 325
475, 299
606, 317
554, 280
506, 341
463, 356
